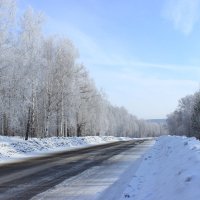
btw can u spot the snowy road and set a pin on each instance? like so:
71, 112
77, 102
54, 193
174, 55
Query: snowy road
98, 172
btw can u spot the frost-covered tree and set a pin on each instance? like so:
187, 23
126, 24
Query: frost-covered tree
30, 41
7, 60
195, 118
45, 91
185, 120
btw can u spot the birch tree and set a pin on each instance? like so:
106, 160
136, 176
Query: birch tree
30, 40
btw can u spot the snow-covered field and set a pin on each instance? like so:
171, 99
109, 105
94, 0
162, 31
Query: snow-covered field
12, 148
169, 171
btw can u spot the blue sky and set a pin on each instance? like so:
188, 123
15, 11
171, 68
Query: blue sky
144, 54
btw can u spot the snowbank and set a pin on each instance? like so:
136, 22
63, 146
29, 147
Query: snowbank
170, 170
15, 147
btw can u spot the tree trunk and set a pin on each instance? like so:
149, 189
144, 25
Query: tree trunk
57, 123
28, 124
64, 129
78, 130
5, 124
47, 126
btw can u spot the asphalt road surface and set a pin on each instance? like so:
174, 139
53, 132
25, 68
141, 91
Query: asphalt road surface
24, 180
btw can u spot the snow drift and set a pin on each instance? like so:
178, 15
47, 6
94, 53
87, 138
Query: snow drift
170, 170
15, 147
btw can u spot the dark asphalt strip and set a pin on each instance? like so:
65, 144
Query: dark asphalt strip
58, 167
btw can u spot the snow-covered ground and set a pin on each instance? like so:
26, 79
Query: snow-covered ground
12, 148
170, 170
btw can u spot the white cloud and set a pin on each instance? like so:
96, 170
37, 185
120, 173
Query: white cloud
93, 53
143, 94
184, 14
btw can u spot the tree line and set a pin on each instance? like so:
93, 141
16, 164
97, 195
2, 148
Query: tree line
45, 91
185, 120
